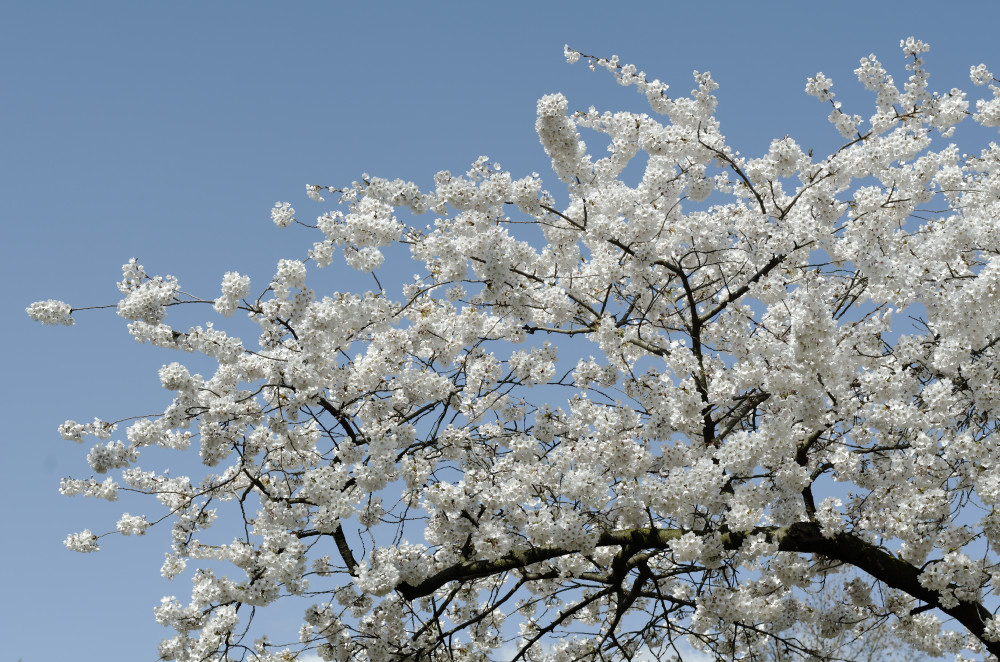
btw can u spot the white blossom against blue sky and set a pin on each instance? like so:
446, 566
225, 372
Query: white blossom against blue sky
167, 131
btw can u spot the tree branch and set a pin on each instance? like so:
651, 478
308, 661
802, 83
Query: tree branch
801, 537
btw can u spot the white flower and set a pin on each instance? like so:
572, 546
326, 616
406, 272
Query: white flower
51, 311
290, 274
819, 87
113, 455
73, 431
313, 192
980, 75
172, 566
85, 541
148, 301
688, 548
829, 517
234, 288
991, 629
132, 525
282, 214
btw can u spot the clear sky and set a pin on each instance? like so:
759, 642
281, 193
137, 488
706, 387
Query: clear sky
167, 131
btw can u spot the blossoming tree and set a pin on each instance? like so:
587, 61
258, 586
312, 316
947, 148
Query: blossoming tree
791, 370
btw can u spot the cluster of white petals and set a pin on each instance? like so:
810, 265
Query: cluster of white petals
791, 368
234, 288
73, 431
132, 525
282, 214
107, 490
145, 298
85, 541
51, 312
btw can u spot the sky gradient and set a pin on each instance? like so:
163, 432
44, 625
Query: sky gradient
167, 131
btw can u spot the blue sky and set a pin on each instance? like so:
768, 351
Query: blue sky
166, 131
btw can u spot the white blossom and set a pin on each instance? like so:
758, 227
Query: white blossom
132, 525
234, 288
819, 87
282, 214
51, 312
85, 541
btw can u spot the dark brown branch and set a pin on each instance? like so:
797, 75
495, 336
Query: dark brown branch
745, 287
344, 423
345, 550
801, 538
470, 570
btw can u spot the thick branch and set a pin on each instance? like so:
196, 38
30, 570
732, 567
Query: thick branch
345, 550
802, 538
886, 568
469, 570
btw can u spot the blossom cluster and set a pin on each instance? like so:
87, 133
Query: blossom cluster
234, 288
51, 312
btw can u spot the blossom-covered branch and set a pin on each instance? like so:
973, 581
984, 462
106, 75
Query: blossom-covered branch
600, 419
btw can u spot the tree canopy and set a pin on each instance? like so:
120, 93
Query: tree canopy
599, 422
